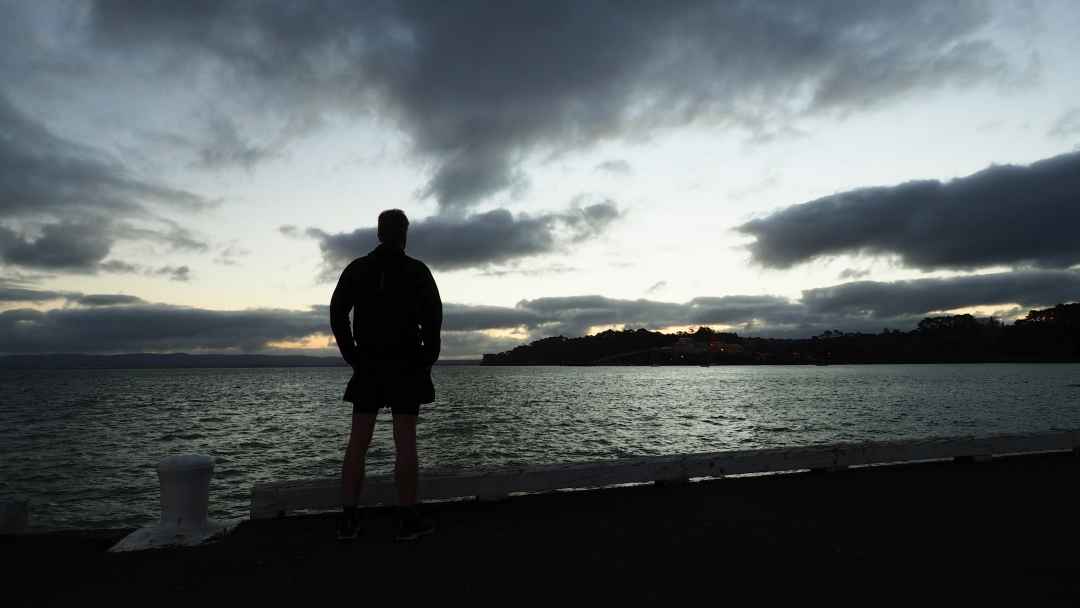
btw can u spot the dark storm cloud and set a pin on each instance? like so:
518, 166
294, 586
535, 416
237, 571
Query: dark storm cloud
461, 317
468, 177
21, 294
106, 300
588, 221
474, 241
151, 328
61, 200
69, 246
480, 86
82, 245
46, 174
1030, 288
1003, 215
43, 173
9, 293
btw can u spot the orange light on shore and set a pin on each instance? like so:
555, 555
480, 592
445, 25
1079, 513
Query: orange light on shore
316, 341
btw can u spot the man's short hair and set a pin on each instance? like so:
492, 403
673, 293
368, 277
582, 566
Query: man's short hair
392, 226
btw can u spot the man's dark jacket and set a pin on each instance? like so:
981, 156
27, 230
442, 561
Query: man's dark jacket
396, 320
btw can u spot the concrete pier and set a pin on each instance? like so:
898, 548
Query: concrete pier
998, 531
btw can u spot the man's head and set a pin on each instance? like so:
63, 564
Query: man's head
393, 227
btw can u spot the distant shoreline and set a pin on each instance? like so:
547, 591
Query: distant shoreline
177, 361
791, 363
188, 361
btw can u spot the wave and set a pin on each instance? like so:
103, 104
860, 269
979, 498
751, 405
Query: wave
181, 436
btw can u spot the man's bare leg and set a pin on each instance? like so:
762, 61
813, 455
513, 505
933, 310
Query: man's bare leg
352, 469
410, 524
405, 465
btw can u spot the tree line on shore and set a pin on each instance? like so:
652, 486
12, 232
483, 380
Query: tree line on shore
1047, 335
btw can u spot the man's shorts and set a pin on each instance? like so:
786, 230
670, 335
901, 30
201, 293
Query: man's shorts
402, 392
371, 399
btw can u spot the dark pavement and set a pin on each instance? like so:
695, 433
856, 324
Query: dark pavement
1004, 532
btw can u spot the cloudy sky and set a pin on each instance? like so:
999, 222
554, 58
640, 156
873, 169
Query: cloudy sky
193, 176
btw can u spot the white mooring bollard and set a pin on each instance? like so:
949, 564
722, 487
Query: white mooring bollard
185, 490
185, 500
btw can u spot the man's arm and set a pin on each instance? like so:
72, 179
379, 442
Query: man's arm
430, 318
341, 303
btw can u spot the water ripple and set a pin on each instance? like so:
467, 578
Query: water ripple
89, 458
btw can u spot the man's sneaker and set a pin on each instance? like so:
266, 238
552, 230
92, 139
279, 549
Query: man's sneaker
348, 528
412, 528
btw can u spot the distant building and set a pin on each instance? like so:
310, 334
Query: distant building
725, 348
686, 345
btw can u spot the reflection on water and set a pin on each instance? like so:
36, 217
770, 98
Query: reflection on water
82, 445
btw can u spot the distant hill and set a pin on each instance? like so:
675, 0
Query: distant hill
173, 361
1052, 334
170, 360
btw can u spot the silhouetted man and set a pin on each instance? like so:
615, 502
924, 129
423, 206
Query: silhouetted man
397, 317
